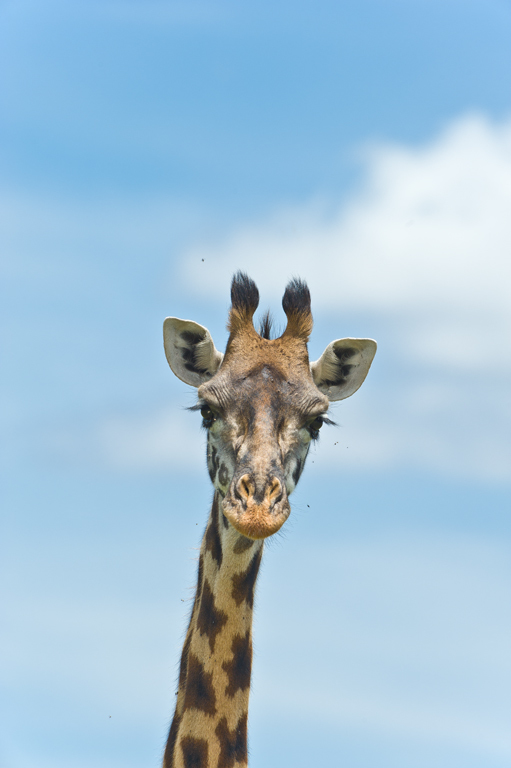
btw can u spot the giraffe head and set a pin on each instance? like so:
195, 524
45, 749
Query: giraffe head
262, 402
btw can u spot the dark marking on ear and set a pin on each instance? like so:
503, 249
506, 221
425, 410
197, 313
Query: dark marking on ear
225, 521
223, 474
242, 544
243, 584
188, 355
192, 338
344, 354
195, 752
233, 744
238, 670
343, 369
199, 693
331, 382
168, 757
210, 620
212, 538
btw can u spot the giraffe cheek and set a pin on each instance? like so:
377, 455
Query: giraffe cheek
213, 460
223, 478
294, 469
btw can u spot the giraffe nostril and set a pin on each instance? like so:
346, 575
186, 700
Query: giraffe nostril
274, 492
244, 488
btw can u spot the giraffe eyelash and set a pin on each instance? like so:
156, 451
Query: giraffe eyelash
209, 416
315, 425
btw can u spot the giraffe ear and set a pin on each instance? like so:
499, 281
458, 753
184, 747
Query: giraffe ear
190, 351
343, 366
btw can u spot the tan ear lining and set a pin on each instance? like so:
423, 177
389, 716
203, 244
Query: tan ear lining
343, 366
190, 351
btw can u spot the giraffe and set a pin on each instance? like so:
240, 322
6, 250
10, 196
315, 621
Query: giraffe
262, 404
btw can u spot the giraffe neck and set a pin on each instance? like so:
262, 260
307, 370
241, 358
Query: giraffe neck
209, 729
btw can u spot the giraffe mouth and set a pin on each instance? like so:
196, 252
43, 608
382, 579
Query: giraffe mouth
256, 521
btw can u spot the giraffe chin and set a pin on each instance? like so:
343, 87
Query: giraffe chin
256, 521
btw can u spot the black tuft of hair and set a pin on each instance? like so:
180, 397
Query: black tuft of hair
297, 298
265, 326
244, 293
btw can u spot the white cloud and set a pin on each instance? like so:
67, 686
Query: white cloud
427, 238
420, 252
423, 252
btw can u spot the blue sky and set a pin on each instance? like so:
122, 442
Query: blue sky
147, 151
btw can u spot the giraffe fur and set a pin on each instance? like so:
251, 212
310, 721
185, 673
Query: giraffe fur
262, 403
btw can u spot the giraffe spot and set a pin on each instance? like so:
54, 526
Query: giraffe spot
213, 462
223, 475
171, 742
233, 744
200, 693
210, 620
239, 668
195, 752
243, 584
212, 538
243, 543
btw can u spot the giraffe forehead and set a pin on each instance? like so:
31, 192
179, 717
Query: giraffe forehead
263, 389
260, 373
248, 350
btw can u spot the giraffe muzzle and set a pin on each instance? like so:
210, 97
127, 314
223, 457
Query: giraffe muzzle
257, 510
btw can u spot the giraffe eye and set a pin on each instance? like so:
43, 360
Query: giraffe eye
208, 417
315, 426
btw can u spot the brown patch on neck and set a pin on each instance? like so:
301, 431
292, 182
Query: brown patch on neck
200, 693
233, 744
240, 667
212, 538
210, 620
243, 584
242, 544
195, 752
209, 729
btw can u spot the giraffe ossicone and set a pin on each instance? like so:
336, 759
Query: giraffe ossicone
262, 404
